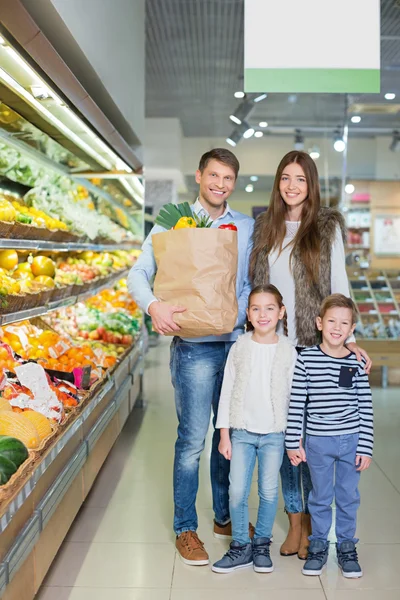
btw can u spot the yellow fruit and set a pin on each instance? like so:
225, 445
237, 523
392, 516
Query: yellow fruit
45, 281
14, 425
41, 423
23, 271
5, 405
8, 259
42, 265
7, 211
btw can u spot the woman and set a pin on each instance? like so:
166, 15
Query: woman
299, 248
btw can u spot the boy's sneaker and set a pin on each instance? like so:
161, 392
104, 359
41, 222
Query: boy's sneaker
317, 557
238, 557
261, 558
191, 549
224, 532
348, 559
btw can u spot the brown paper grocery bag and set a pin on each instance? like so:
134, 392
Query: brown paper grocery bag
196, 268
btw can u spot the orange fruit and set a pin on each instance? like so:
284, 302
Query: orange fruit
8, 259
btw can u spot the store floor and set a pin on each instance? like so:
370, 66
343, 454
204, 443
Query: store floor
122, 547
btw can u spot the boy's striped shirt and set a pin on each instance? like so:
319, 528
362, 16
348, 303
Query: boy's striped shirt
330, 409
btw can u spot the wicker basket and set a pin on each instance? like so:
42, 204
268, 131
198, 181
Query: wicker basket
5, 229
46, 296
15, 303
20, 231
18, 480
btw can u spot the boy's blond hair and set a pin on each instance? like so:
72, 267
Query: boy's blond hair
339, 301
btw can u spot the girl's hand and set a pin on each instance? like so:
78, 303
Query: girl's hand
297, 456
225, 446
359, 352
362, 462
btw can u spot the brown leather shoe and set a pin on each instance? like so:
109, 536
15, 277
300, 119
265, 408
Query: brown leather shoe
305, 532
191, 549
292, 543
224, 532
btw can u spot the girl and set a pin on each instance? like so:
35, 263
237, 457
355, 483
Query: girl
254, 403
298, 246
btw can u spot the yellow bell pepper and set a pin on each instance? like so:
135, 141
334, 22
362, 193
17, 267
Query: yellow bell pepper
185, 222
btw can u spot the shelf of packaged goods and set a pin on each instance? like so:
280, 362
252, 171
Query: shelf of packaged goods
30, 313
65, 247
46, 487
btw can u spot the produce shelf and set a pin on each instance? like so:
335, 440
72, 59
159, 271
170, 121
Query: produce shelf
21, 315
43, 492
13, 244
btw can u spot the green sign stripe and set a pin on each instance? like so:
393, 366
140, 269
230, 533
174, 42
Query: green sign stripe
322, 81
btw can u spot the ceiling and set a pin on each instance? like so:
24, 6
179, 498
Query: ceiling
194, 64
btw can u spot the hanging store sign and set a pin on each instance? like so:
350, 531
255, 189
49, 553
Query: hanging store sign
312, 46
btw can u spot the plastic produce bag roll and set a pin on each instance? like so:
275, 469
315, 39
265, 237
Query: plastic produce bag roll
196, 269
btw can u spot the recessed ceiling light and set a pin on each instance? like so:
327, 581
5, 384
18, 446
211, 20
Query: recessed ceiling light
355, 119
254, 178
390, 96
249, 188
263, 124
349, 188
260, 97
258, 134
248, 133
235, 119
239, 94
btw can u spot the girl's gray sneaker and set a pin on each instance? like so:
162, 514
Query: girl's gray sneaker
238, 557
317, 557
262, 562
348, 559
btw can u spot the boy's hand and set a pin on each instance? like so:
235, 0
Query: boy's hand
162, 316
359, 352
225, 446
297, 456
362, 462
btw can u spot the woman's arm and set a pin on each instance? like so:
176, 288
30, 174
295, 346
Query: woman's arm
340, 285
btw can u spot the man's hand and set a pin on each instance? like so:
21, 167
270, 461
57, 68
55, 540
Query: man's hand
225, 446
162, 316
359, 352
362, 462
297, 456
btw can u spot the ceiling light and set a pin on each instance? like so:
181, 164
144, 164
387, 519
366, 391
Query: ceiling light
258, 134
239, 94
395, 144
248, 133
249, 188
263, 124
234, 138
231, 142
235, 119
349, 188
39, 92
355, 119
314, 153
298, 140
338, 142
390, 96
260, 97
254, 178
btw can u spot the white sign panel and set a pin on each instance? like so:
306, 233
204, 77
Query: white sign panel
312, 46
387, 235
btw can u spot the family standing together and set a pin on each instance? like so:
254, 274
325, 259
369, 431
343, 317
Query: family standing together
291, 392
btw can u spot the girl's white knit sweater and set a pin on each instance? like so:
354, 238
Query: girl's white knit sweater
242, 379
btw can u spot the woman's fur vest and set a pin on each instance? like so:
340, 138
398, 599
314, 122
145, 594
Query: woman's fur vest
308, 296
280, 381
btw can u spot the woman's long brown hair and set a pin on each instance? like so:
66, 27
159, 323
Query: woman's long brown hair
273, 230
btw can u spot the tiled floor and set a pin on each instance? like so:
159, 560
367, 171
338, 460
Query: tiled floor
122, 546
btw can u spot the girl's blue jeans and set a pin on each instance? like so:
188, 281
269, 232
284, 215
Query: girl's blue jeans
246, 447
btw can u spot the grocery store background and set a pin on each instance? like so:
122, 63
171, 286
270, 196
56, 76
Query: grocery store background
121, 98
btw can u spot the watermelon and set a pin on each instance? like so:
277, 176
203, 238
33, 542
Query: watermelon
13, 449
7, 469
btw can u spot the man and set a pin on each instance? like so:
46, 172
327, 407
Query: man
197, 364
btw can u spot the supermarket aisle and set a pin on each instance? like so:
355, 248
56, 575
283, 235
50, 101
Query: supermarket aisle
122, 546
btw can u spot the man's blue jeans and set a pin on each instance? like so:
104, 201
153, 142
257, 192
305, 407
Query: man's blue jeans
268, 448
332, 462
197, 371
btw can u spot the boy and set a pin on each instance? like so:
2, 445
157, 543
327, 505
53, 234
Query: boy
339, 433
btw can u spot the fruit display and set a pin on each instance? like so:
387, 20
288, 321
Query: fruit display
12, 454
22, 274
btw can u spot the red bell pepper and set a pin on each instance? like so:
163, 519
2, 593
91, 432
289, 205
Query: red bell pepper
230, 226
